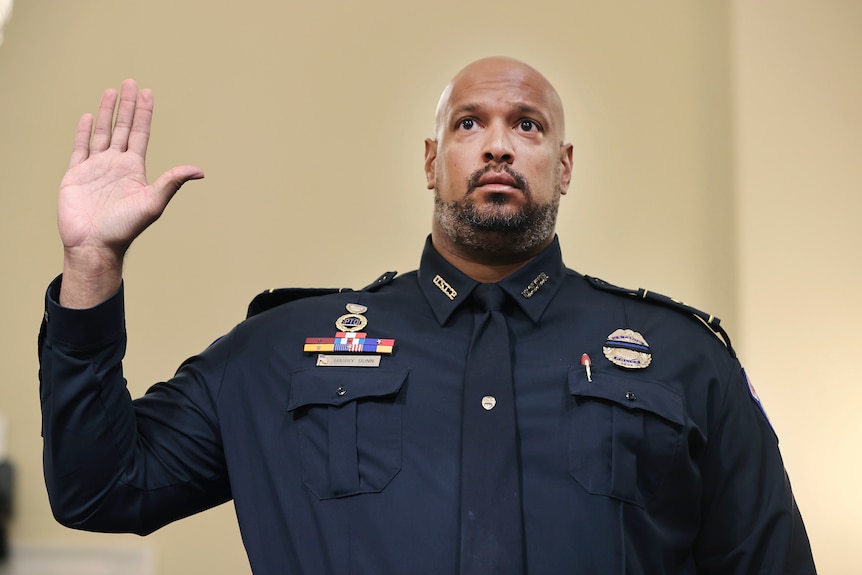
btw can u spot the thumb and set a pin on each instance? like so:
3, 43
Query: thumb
171, 181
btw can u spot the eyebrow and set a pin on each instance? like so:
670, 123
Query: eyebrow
531, 110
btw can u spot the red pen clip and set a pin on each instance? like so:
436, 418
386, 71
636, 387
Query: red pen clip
585, 361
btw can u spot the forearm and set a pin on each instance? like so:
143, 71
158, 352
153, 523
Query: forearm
106, 469
86, 412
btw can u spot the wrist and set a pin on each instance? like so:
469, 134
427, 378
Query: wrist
90, 276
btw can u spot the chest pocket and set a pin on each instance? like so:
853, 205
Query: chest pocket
350, 428
624, 433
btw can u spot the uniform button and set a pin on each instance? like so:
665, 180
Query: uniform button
341, 391
488, 402
631, 396
47, 316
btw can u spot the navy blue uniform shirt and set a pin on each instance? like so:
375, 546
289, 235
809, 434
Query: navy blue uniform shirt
670, 468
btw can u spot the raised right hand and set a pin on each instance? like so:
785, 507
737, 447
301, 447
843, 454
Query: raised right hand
105, 201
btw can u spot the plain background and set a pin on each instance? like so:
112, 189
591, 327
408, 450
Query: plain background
717, 160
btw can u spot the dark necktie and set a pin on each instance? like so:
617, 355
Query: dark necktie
491, 523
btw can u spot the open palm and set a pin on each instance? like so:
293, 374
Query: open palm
105, 201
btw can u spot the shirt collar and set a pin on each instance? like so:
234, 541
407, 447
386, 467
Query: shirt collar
531, 287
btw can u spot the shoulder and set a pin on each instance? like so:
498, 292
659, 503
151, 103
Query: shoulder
276, 297
640, 300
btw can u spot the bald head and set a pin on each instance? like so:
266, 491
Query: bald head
506, 74
498, 165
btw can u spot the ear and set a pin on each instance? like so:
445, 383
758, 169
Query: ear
566, 171
430, 164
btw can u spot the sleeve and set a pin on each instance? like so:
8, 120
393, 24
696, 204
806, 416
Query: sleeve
750, 522
113, 464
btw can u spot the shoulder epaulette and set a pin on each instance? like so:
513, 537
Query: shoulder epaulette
381, 281
276, 297
710, 321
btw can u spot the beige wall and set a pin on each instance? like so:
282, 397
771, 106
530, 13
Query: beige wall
309, 121
798, 163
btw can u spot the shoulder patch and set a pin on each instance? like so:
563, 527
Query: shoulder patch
710, 321
756, 399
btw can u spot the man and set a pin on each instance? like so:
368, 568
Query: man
565, 427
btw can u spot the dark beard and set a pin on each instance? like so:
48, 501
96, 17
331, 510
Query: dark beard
501, 234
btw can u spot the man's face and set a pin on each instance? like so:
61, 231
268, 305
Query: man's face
498, 165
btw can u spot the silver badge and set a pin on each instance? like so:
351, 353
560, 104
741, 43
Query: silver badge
356, 308
353, 321
627, 349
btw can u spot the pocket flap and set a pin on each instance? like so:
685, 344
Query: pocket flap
337, 386
628, 392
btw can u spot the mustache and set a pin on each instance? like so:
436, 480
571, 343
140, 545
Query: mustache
475, 178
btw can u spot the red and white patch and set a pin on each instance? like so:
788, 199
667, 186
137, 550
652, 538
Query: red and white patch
755, 397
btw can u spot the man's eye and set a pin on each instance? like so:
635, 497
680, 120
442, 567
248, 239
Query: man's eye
529, 126
466, 124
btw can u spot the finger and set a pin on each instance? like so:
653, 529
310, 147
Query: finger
125, 116
102, 133
140, 132
171, 181
81, 148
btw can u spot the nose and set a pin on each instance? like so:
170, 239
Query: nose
497, 147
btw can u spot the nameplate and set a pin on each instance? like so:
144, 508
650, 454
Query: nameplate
326, 360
